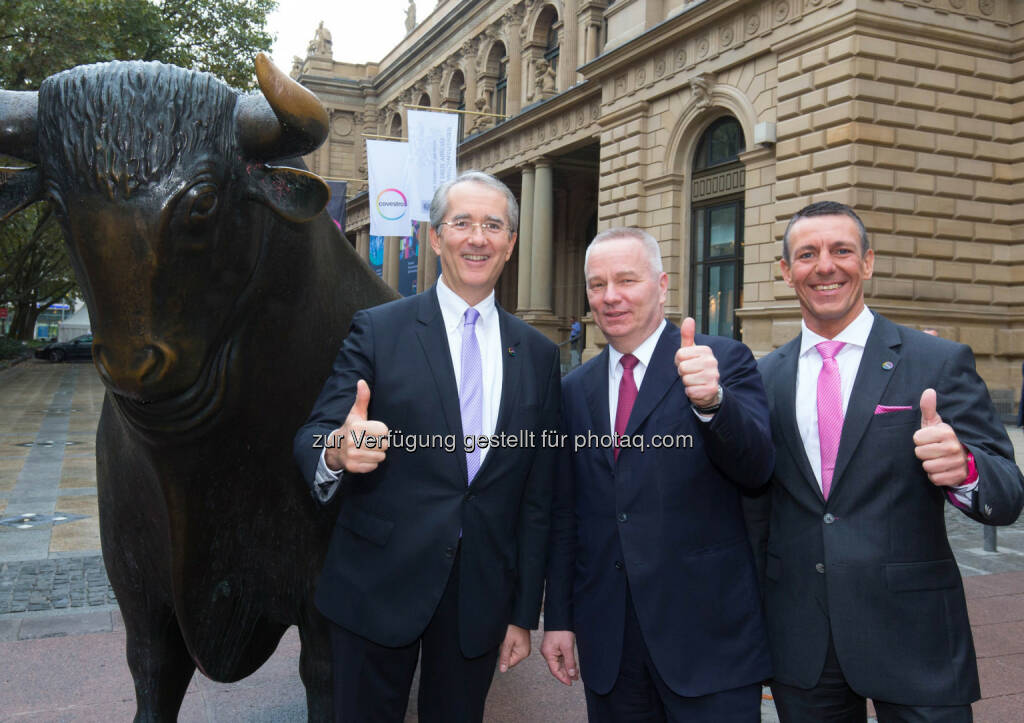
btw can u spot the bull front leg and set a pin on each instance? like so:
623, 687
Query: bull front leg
159, 662
315, 664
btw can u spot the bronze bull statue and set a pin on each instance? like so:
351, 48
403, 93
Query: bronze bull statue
219, 293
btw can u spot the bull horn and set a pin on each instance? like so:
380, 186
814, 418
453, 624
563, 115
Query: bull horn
288, 120
18, 113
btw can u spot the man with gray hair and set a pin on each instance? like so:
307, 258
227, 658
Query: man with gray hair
650, 571
431, 425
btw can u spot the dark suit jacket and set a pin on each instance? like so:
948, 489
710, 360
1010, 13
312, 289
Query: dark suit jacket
398, 528
874, 562
668, 519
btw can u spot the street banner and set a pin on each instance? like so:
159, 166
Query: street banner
336, 206
377, 255
392, 194
408, 261
433, 138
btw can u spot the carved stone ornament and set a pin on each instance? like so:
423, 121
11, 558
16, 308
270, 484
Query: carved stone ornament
753, 23
702, 47
702, 87
781, 10
659, 67
341, 124
680, 58
987, 7
726, 35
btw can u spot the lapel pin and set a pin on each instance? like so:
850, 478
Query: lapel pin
512, 352
887, 365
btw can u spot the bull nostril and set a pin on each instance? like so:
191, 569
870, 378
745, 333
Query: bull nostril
130, 367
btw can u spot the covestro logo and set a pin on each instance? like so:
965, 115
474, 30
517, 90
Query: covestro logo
392, 204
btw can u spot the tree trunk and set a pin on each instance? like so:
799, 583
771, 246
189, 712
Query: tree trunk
23, 325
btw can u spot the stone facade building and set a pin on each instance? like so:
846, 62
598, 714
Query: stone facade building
709, 123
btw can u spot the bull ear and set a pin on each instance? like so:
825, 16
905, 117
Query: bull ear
19, 187
295, 195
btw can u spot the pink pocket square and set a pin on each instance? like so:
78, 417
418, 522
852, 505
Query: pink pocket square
885, 409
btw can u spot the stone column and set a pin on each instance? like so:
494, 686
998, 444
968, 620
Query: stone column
426, 274
390, 271
525, 240
514, 73
542, 259
570, 43
363, 243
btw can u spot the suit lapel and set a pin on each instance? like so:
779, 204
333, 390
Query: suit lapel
595, 386
433, 338
785, 411
511, 369
872, 379
661, 373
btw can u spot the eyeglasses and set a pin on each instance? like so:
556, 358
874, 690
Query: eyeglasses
487, 228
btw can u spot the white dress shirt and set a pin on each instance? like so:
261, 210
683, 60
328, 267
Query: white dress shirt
809, 364
643, 353
488, 338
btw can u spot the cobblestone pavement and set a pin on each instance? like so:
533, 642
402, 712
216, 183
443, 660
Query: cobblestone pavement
51, 566
62, 583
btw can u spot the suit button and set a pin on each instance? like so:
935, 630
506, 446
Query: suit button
829, 518
470, 496
820, 567
623, 517
619, 565
449, 552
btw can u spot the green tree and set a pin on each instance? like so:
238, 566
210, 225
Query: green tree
34, 269
41, 37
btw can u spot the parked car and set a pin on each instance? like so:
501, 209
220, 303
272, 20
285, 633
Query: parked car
78, 348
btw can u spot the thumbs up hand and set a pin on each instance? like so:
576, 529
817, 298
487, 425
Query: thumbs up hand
697, 367
360, 443
937, 446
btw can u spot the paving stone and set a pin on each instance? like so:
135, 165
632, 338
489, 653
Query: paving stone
52, 626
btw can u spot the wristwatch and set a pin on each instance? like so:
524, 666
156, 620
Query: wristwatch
713, 407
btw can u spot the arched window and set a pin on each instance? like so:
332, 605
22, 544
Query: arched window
500, 103
396, 126
716, 195
455, 98
424, 100
551, 47
495, 79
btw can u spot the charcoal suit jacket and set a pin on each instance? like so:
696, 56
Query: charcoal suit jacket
399, 526
873, 564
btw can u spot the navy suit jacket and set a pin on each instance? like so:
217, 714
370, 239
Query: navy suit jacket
398, 528
667, 519
873, 564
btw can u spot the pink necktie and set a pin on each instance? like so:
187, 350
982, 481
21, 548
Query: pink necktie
627, 395
830, 410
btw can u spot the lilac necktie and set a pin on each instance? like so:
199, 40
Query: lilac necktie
830, 410
627, 396
471, 391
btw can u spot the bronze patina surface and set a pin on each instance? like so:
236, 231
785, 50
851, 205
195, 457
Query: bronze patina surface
219, 293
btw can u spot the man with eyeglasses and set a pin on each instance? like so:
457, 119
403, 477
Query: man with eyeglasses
439, 550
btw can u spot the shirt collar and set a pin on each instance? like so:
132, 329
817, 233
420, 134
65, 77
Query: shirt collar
643, 353
855, 334
453, 306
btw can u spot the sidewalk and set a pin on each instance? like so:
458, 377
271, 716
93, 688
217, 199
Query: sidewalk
62, 640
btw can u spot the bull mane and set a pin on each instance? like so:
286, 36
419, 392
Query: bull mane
116, 127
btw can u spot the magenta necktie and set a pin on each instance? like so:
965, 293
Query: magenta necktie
627, 395
830, 410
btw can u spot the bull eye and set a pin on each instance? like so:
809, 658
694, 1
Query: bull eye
200, 204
